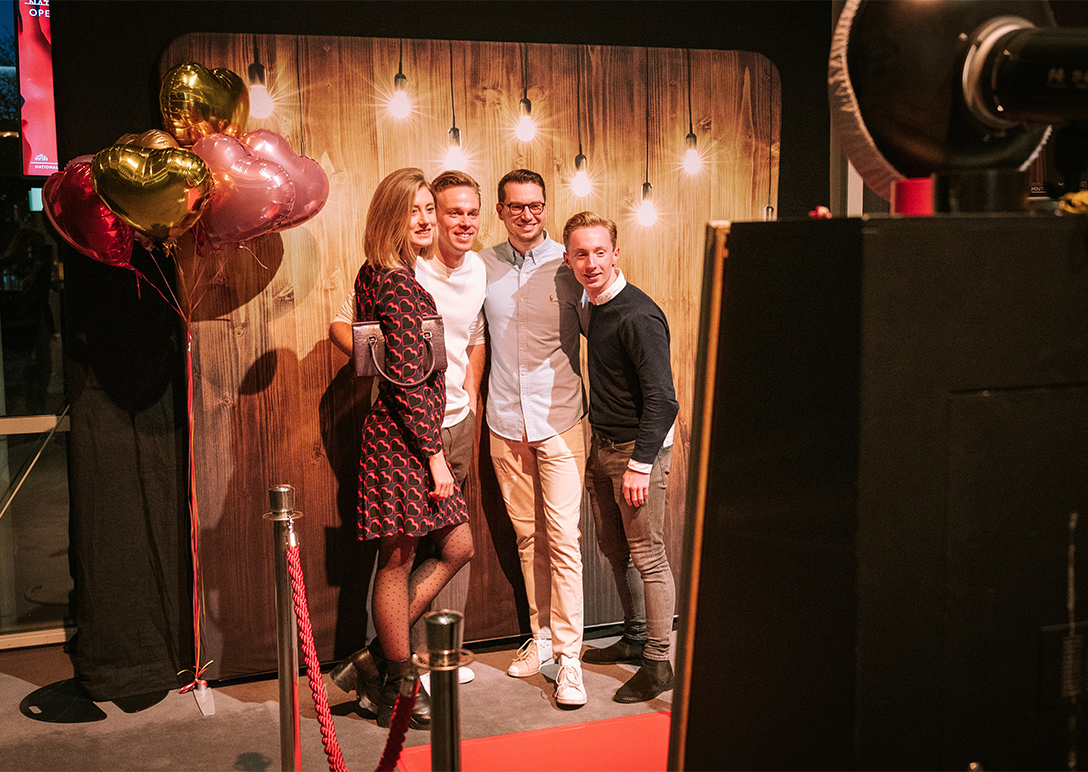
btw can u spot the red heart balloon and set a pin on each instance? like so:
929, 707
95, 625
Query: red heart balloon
311, 182
252, 195
83, 219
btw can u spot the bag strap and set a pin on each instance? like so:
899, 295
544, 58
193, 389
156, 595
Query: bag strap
405, 384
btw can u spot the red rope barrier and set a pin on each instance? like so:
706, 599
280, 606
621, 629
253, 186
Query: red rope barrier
398, 728
402, 710
313, 665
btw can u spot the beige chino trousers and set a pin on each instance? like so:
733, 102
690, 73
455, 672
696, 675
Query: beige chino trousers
541, 484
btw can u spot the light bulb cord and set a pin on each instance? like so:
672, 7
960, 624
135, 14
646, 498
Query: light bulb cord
453, 111
524, 71
647, 116
301, 110
691, 124
578, 95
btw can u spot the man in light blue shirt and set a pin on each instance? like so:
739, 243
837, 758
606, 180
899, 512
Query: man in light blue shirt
535, 411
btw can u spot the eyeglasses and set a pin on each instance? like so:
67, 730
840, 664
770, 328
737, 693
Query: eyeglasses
535, 208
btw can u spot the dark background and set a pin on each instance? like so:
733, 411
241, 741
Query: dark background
106, 54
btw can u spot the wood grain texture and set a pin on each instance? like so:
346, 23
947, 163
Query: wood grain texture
273, 402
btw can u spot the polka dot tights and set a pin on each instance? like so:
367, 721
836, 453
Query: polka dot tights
402, 595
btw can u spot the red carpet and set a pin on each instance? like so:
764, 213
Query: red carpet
629, 744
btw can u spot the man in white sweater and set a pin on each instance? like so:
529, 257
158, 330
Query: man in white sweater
457, 280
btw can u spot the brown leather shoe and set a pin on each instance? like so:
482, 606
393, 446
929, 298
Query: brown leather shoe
654, 677
397, 681
623, 650
361, 673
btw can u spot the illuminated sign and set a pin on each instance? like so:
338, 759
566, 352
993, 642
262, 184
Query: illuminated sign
38, 118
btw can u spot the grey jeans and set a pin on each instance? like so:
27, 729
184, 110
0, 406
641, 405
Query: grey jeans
633, 541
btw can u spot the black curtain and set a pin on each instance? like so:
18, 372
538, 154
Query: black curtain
129, 546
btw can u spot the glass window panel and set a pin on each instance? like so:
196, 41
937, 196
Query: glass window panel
35, 581
30, 283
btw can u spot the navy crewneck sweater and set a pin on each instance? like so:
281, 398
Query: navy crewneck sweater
630, 375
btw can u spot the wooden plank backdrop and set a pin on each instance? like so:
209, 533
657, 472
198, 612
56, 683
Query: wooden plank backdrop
273, 401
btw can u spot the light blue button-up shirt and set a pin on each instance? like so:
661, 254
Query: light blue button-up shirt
535, 316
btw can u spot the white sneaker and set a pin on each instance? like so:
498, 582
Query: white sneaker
464, 676
569, 689
530, 656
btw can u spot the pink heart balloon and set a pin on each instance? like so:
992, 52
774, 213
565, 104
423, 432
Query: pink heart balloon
252, 195
83, 219
311, 182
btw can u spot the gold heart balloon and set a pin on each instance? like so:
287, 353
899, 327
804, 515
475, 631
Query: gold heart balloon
161, 192
153, 138
196, 102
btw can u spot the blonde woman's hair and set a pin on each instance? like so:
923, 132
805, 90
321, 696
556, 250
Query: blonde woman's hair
386, 240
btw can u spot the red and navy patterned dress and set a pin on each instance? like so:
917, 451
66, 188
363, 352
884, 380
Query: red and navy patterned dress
404, 429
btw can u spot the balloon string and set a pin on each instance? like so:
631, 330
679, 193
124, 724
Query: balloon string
200, 239
171, 301
198, 282
247, 248
185, 291
194, 517
221, 266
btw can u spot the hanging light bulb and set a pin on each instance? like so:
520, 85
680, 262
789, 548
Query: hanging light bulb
693, 162
399, 105
647, 212
579, 184
260, 103
455, 156
526, 129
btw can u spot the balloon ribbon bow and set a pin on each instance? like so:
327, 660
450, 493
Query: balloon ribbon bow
197, 681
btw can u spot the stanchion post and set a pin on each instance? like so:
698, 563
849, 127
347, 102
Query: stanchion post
444, 631
282, 499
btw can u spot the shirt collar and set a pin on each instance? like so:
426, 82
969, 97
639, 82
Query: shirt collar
517, 257
613, 289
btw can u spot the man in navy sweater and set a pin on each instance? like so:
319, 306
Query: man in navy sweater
632, 407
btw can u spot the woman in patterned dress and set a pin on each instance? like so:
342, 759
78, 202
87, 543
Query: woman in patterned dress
406, 487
